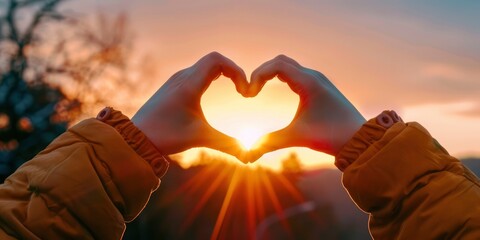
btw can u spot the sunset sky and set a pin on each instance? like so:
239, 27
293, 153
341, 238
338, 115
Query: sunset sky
420, 58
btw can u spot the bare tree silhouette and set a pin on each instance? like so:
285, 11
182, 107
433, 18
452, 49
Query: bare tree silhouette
55, 68
292, 167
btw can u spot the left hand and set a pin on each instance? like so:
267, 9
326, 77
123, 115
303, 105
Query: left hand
173, 119
325, 118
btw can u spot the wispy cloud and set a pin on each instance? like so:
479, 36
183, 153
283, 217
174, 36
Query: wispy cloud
473, 111
409, 52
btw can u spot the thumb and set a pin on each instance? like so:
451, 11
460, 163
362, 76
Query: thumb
217, 140
282, 138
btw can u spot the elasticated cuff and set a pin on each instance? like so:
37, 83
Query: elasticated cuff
369, 133
136, 139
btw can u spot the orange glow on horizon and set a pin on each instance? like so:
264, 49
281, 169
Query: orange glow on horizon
367, 53
248, 119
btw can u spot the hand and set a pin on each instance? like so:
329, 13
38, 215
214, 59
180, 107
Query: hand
325, 119
173, 119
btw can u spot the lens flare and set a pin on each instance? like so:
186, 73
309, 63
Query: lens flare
248, 136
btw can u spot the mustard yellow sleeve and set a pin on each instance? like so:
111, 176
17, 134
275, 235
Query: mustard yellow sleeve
85, 185
410, 186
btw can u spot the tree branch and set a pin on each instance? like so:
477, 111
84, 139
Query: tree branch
46, 9
10, 18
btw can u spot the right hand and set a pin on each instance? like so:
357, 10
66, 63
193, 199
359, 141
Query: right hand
325, 119
173, 119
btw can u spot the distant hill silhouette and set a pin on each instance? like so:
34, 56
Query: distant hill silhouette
324, 186
313, 205
263, 205
473, 163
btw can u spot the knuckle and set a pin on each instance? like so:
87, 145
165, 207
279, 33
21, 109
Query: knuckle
179, 73
319, 74
214, 56
281, 57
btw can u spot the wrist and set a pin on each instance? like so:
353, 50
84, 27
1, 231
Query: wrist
346, 133
154, 132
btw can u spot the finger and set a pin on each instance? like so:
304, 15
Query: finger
288, 60
286, 70
217, 140
283, 138
214, 64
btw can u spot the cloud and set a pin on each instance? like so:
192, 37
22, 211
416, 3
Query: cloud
451, 81
473, 111
408, 53
380, 54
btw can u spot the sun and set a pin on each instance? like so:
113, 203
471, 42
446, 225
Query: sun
248, 136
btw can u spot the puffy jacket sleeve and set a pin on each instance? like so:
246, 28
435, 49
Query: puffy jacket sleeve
85, 185
410, 186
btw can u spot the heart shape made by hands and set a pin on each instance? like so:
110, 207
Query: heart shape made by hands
248, 119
